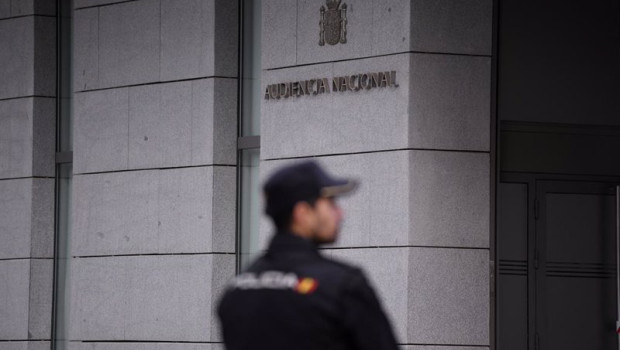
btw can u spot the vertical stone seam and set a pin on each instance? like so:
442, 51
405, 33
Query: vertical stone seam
191, 123
97, 85
411, 27
128, 126
31, 202
34, 63
410, 112
159, 217
215, 37
33, 132
28, 334
160, 116
160, 42
212, 298
213, 189
296, 30
202, 65
214, 118
410, 198
372, 22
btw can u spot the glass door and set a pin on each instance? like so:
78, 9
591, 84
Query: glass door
576, 275
557, 246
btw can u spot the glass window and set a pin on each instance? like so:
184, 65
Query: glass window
64, 175
248, 222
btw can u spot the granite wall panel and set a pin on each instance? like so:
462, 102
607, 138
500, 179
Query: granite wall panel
449, 298
154, 211
449, 199
5, 8
150, 298
377, 213
446, 291
427, 198
101, 128
44, 56
16, 139
40, 300
25, 345
151, 41
17, 57
77, 4
86, 49
14, 287
143, 346
15, 218
278, 46
32, 7
27, 218
374, 28
187, 38
129, 43
447, 26
338, 121
391, 25
154, 126
387, 271
226, 39
27, 137
42, 218
441, 102
450, 102
27, 57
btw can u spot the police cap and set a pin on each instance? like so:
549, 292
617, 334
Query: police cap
305, 181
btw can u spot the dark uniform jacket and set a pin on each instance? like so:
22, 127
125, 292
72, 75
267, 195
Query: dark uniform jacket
294, 298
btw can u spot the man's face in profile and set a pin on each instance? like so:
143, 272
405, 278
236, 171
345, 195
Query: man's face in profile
328, 217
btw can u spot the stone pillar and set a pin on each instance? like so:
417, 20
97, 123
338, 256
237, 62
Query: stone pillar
27, 149
154, 171
419, 223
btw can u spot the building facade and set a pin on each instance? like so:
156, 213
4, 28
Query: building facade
134, 136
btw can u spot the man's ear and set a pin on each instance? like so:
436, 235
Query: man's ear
300, 213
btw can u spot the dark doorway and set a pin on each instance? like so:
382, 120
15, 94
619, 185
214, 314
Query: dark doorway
557, 258
558, 110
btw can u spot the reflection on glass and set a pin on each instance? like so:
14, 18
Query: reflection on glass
63, 256
249, 211
249, 159
65, 118
251, 68
64, 174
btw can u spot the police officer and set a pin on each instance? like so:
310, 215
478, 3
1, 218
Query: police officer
293, 297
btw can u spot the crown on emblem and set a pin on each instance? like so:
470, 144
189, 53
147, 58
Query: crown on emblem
333, 4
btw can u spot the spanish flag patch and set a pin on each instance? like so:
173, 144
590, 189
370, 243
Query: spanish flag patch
306, 285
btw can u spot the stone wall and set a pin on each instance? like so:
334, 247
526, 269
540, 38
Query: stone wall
154, 161
155, 108
27, 146
420, 222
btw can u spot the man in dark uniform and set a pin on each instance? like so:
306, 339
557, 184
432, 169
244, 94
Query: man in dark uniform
292, 297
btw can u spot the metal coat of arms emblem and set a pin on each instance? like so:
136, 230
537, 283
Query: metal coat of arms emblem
333, 23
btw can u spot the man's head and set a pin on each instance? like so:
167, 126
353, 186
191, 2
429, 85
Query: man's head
301, 198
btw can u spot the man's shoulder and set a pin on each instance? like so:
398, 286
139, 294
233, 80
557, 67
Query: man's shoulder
338, 270
319, 266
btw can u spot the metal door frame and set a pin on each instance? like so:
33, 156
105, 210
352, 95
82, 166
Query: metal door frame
534, 211
543, 187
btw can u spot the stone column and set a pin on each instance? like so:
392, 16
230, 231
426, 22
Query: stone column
154, 171
27, 149
419, 223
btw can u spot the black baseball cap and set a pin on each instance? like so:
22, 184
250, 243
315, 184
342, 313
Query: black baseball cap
305, 181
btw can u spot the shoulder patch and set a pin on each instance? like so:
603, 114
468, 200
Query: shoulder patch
306, 285
275, 280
